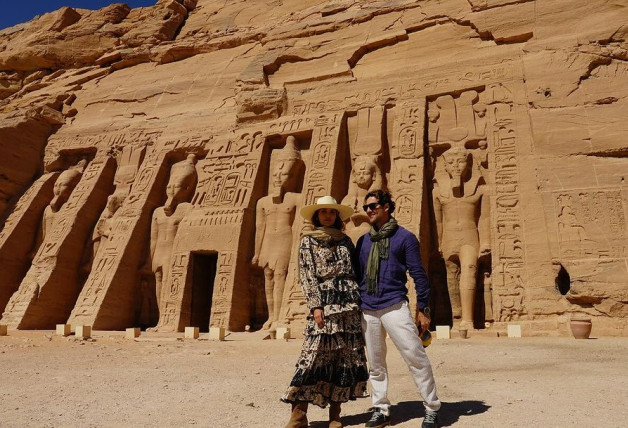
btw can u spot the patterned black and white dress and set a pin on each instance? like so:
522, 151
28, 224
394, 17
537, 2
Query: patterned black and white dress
332, 364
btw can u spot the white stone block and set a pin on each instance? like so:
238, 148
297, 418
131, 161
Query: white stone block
191, 332
64, 329
132, 333
514, 330
83, 331
282, 333
3, 330
443, 332
216, 333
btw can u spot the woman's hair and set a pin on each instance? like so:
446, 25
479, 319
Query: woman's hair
338, 223
383, 197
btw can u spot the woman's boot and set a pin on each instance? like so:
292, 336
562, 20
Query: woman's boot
334, 415
298, 417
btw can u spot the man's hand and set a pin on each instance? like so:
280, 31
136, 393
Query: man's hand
422, 321
319, 317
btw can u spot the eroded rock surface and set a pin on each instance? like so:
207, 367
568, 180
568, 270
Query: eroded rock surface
499, 126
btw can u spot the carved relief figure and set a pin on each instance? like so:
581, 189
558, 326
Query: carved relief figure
63, 188
461, 207
365, 176
166, 219
274, 219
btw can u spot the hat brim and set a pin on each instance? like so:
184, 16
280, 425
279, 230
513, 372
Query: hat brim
308, 211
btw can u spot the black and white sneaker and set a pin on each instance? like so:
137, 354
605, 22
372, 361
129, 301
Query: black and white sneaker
430, 420
378, 420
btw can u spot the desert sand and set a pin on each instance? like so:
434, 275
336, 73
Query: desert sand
164, 380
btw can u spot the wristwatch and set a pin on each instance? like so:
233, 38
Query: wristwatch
425, 310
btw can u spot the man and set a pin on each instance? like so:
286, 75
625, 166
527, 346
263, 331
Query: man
385, 255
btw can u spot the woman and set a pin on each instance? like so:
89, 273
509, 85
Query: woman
332, 366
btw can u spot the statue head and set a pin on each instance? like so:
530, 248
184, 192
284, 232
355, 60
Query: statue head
65, 184
113, 204
181, 184
456, 164
364, 172
433, 114
480, 109
284, 170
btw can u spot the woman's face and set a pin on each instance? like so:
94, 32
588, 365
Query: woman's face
327, 216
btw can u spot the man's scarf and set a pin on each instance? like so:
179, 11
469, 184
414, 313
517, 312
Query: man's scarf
379, 251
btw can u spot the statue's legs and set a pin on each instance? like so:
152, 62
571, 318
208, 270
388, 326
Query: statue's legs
158, 288
280, 284
269, 285
453, 278
468, 283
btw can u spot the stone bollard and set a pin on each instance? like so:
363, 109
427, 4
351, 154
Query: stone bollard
3, 330
83, 331
514, 330
191, 333
282, 333
216, 333
132, 333
443, 332
64, 330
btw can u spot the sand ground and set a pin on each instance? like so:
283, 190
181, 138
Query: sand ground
161, 380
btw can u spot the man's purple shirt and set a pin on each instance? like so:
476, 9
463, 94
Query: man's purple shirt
404, 256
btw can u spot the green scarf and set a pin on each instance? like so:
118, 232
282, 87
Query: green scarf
379, 251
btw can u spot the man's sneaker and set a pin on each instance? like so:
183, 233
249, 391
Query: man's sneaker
430, 420
378, 420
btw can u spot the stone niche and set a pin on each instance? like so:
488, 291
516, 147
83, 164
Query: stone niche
158, 184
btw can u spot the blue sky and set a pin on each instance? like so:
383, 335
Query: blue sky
15, 12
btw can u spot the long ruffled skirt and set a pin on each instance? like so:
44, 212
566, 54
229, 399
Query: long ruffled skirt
332, 363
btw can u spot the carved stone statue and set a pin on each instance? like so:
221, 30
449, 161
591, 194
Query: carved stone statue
103, 227
274, 220
365, 176
65, 184
166, 219
461, 208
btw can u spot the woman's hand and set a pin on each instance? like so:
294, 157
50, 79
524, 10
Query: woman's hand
319, 317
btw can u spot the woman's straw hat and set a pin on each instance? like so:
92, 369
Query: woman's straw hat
326, 202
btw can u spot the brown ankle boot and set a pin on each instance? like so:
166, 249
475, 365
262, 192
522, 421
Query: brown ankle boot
298, 417
334, 415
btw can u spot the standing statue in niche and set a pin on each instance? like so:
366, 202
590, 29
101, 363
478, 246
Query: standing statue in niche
166, 219
461, 208
65, 184
105, 222
365, 176
274, 220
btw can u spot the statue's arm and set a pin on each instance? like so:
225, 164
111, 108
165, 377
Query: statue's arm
484, 228
438, 215
260, 228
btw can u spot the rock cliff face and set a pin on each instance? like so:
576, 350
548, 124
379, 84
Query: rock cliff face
153, 160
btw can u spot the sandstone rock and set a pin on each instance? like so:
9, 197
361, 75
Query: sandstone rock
498, 125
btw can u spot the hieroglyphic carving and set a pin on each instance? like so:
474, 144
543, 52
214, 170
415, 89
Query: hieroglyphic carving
221, 304
590, 224
508, 248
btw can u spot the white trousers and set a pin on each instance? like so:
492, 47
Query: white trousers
397, 322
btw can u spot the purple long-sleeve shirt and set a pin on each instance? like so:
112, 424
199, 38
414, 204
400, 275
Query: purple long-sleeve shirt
403, 257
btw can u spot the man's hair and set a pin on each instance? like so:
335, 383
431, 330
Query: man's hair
383, 197
338, 223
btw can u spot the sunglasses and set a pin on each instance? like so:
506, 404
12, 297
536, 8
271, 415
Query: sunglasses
372, 206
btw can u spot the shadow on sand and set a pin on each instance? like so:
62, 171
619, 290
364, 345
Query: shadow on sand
405, 411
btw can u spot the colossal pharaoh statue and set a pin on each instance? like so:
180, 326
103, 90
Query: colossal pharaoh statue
274, 220
461, 208
365, 176
63, 188
166, 219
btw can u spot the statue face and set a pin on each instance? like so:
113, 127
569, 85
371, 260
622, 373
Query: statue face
62, 190
363, 175
176, 191
456, 164
282, 173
